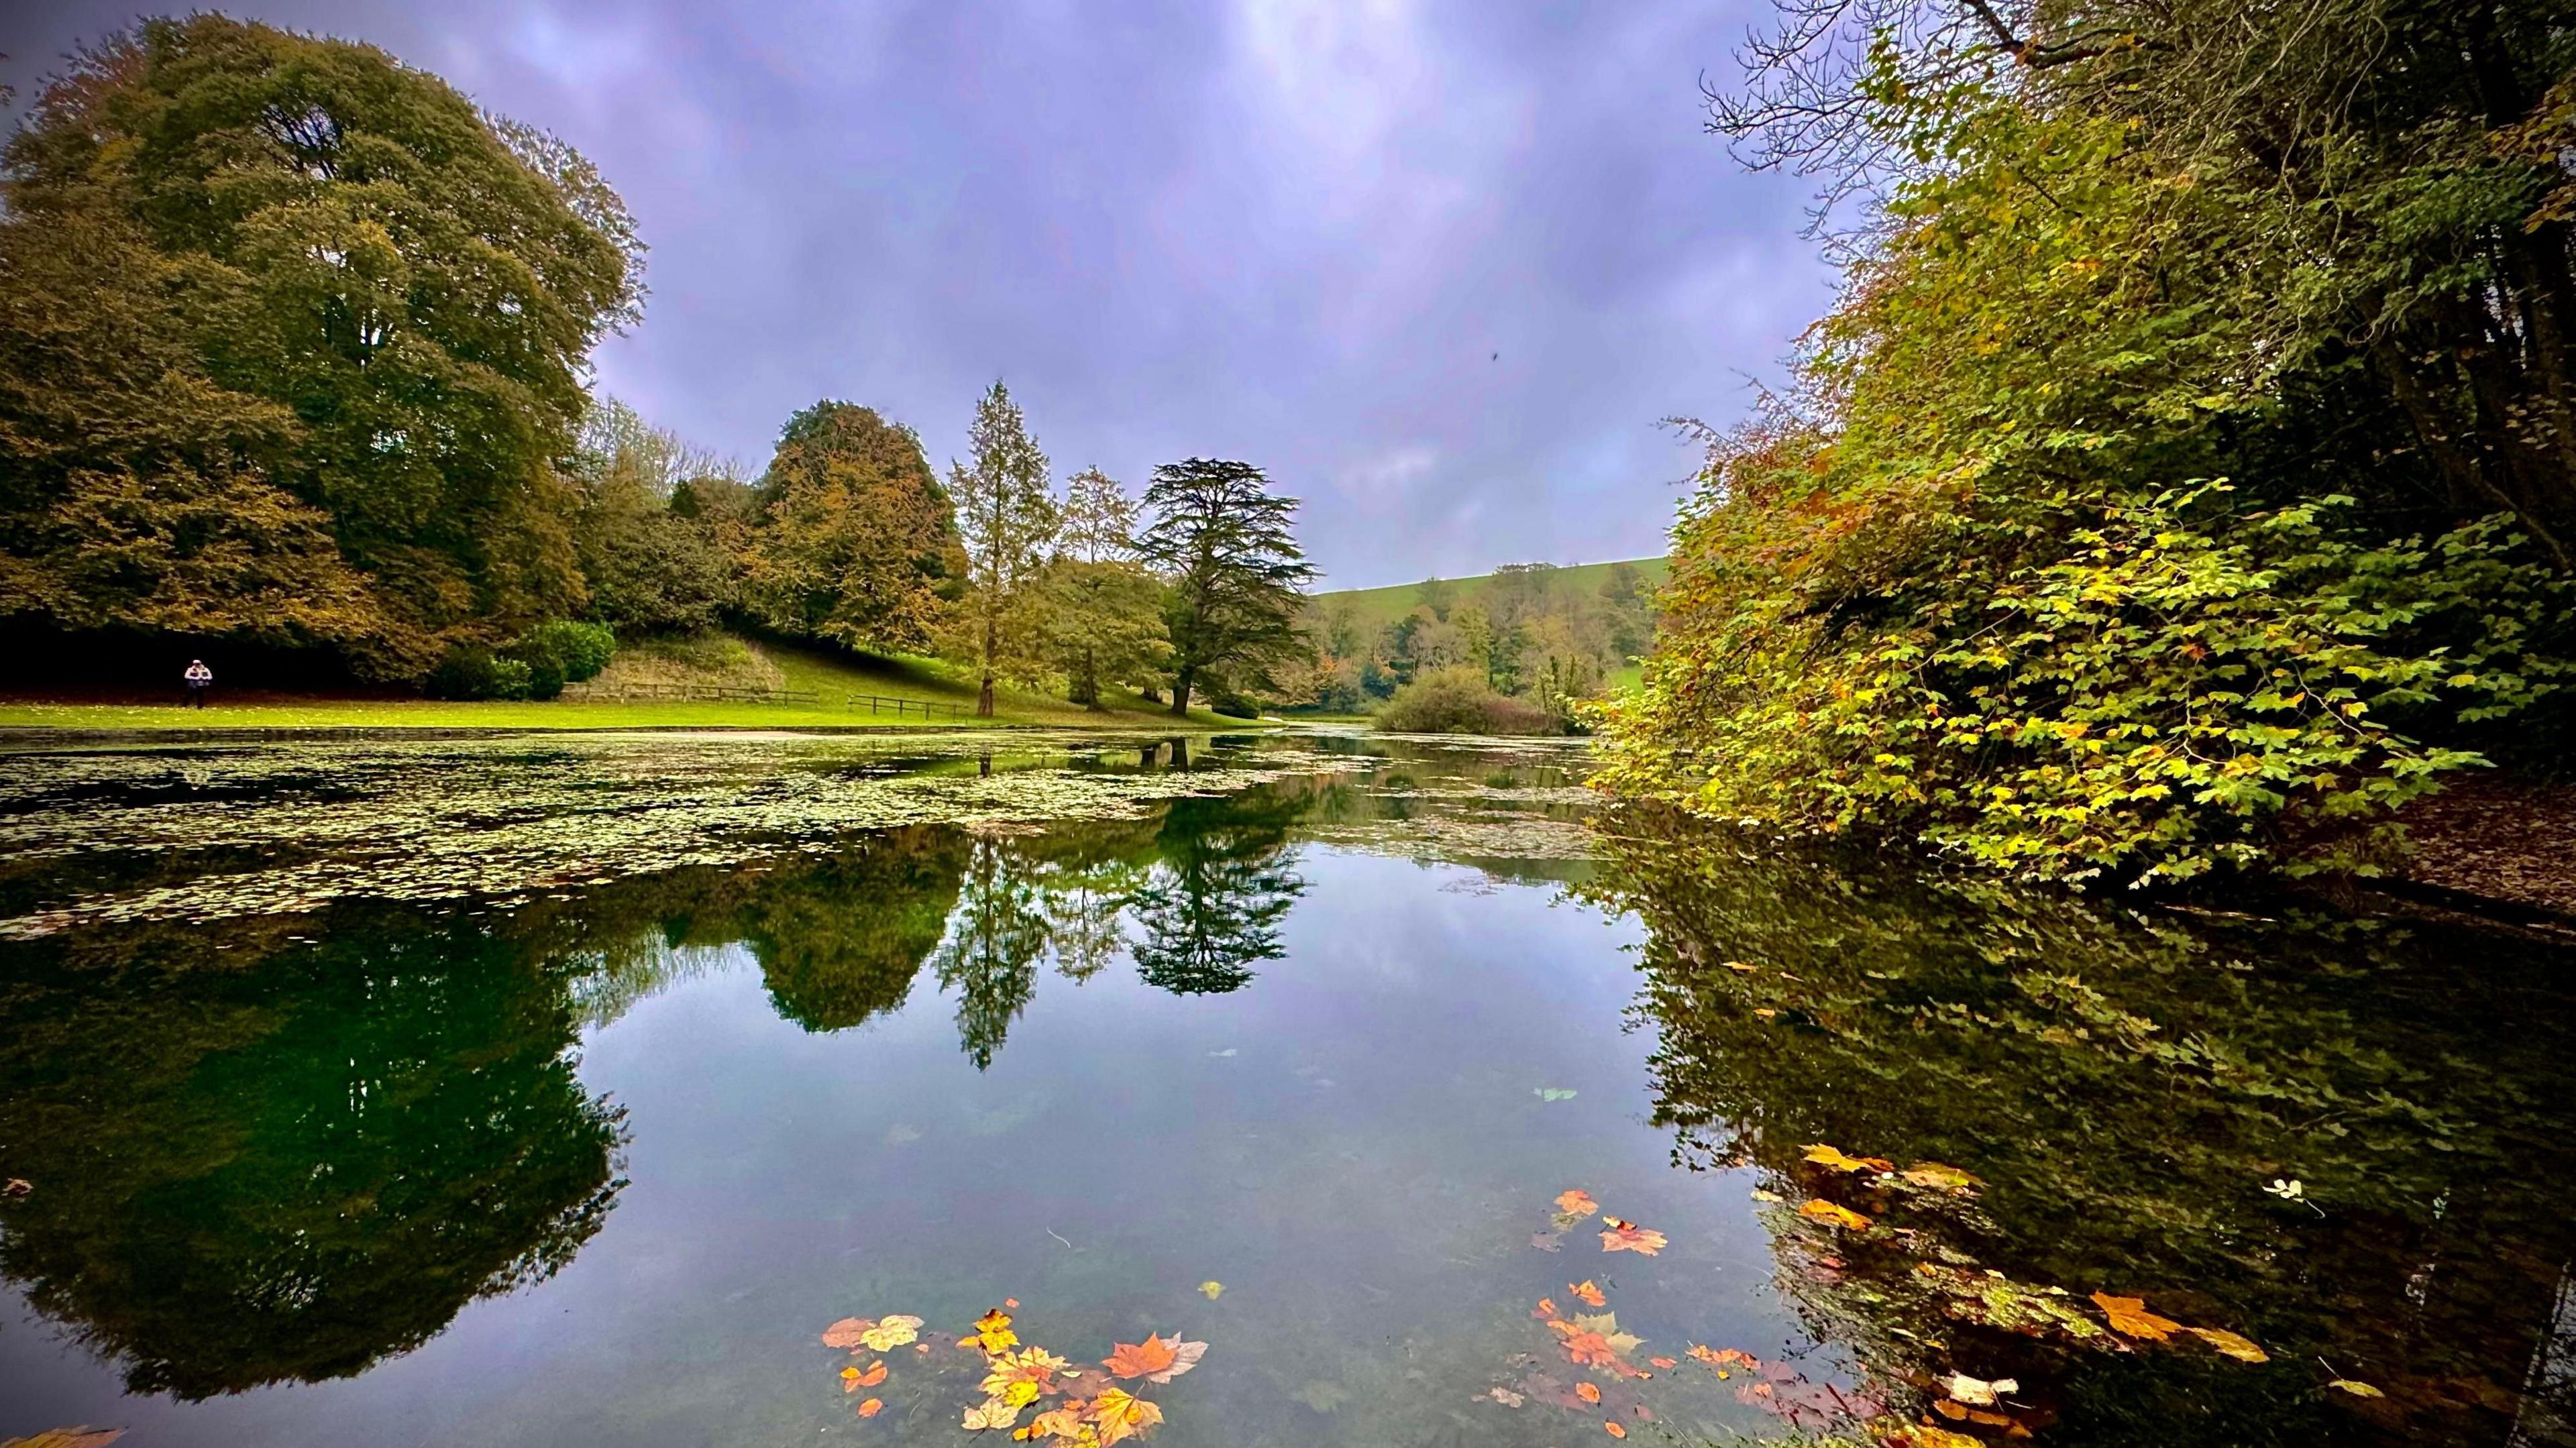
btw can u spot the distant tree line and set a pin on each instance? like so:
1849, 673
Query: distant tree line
294, 349
1530, 634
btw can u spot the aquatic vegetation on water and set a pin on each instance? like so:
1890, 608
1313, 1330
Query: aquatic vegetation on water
444, 820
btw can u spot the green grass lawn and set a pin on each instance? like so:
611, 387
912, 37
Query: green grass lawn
832, 677
1378, 607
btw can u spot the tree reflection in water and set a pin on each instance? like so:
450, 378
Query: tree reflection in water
1212, 909
2127, 1081
290, 1158
288, 1167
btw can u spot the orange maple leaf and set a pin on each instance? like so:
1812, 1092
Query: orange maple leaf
874, 1375
1576, 1202
1139, 1359
1588, 1349
2130, 1318
1547, 1305
1818, 1209
845, 1333
1625, 1236
1587, 1392
871, 1407
1588, 1293
1664, 1362
1614, 1430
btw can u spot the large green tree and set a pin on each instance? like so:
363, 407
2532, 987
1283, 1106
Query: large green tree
1102, 615
298, 336
858, 542
1007, 512
1227, 547
650, 568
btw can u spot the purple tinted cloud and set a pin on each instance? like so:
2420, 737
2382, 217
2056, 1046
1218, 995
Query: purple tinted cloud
1297, 234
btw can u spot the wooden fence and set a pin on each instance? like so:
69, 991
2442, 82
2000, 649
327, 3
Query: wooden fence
925, 708
701, 693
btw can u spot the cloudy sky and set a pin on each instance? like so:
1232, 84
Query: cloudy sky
1439, 268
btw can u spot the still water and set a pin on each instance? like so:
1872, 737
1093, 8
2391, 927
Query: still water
571, 1090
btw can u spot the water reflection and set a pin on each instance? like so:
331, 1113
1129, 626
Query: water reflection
289, 1169
290, 1159
2130, 1085
1211, 909
289, 1148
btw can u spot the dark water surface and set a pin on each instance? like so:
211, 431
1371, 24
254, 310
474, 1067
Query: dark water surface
565, 1090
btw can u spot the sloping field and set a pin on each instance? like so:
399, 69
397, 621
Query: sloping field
1378, 607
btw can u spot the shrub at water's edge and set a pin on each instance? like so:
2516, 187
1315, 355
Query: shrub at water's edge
1459, 701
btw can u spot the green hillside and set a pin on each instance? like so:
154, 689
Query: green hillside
1378, 607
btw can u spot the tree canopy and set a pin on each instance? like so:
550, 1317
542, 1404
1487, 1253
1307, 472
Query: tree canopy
1006, 511
1226, 546
859, 542
2130, 516
297, 337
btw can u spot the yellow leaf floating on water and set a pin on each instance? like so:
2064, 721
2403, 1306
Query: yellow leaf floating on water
1818, 1209
2358, 1390
1924, 1435
2242, 1349
1939, 1177
993, 1413
1065, 1422
1626, 1236
992, 1332
1019, 1377
2130, 1318
1120, 1416
1823, 1155
891, 1332
1211, 1290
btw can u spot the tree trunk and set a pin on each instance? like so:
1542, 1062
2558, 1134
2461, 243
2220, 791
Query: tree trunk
984, 697
1181, 691
1085, 688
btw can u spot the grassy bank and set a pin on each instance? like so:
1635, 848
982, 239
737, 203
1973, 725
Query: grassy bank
832, 679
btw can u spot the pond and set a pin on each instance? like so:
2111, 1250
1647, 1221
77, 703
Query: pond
577, 1089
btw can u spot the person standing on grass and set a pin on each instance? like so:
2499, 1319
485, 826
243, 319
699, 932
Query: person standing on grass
199, 678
